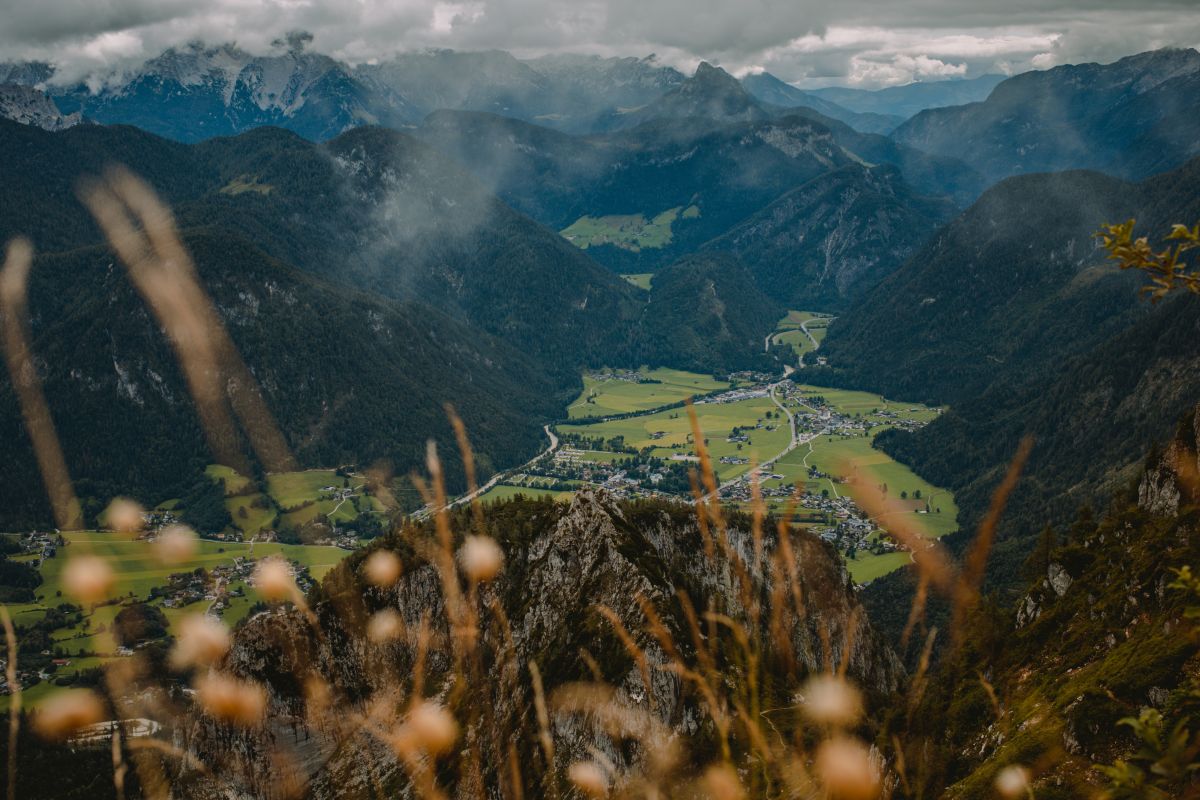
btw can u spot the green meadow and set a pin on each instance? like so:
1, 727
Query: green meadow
789, 332
716, 422
605, 396
642, 280
291, 497
628, 231
504, 491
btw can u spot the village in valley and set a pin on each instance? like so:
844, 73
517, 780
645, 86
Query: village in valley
630, 432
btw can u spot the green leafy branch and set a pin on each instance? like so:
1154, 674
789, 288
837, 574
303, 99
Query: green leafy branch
1167, 269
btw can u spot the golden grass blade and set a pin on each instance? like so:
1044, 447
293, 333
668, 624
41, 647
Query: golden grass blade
929, 556
967, 592
468, 457
14, 282
163, 273
14, 704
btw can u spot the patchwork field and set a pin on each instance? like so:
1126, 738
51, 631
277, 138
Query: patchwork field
291, 498
716, 421
606, 394
790, 333
631, 232
642, 280
930, 509
137, 573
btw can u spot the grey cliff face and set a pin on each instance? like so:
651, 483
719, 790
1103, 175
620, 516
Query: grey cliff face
563, 565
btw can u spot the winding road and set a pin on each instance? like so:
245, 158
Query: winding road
424, 513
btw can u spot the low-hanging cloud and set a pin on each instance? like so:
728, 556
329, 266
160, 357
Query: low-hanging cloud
858, 42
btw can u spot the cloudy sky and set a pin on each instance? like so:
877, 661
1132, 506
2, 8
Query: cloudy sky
867, 43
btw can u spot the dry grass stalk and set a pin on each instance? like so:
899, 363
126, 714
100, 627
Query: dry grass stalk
967, 591
635, 652
14, 280
14, 703
163, 272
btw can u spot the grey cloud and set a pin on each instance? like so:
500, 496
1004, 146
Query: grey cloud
870, 41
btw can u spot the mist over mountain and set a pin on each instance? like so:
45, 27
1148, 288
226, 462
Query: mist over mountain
197, 91
1131, 118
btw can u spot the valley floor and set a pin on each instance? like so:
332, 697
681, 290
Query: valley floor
630, 433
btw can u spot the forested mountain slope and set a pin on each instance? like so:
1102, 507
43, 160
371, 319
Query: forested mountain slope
830, 241
1012, 315
1131, 118
348, 378
1103, 630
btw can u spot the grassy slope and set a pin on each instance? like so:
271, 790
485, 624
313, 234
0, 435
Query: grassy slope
622, 397
628, 231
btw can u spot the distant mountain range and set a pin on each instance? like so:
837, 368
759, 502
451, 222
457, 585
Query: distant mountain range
199, 91
1132, 118
910, 99
766, 88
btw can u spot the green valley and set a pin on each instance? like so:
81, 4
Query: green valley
610, 392
631, 232
815, 446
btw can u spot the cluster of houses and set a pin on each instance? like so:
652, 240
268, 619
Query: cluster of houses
630, 475
42, 545
218, 585
736, 395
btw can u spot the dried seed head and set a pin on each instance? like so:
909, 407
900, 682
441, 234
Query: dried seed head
124, 515
176, 544
722, 783
845, 768
830, 700
481, 558
382, 568
589, 778
88, 579
202, 640
66, 712
273, 579
429, 728
1012, 782
384, 626
230, 700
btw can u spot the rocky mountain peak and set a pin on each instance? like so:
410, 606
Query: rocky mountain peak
574, 577
30, 106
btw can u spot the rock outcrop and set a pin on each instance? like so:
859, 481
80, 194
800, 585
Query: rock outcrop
576, 579
1172, 478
